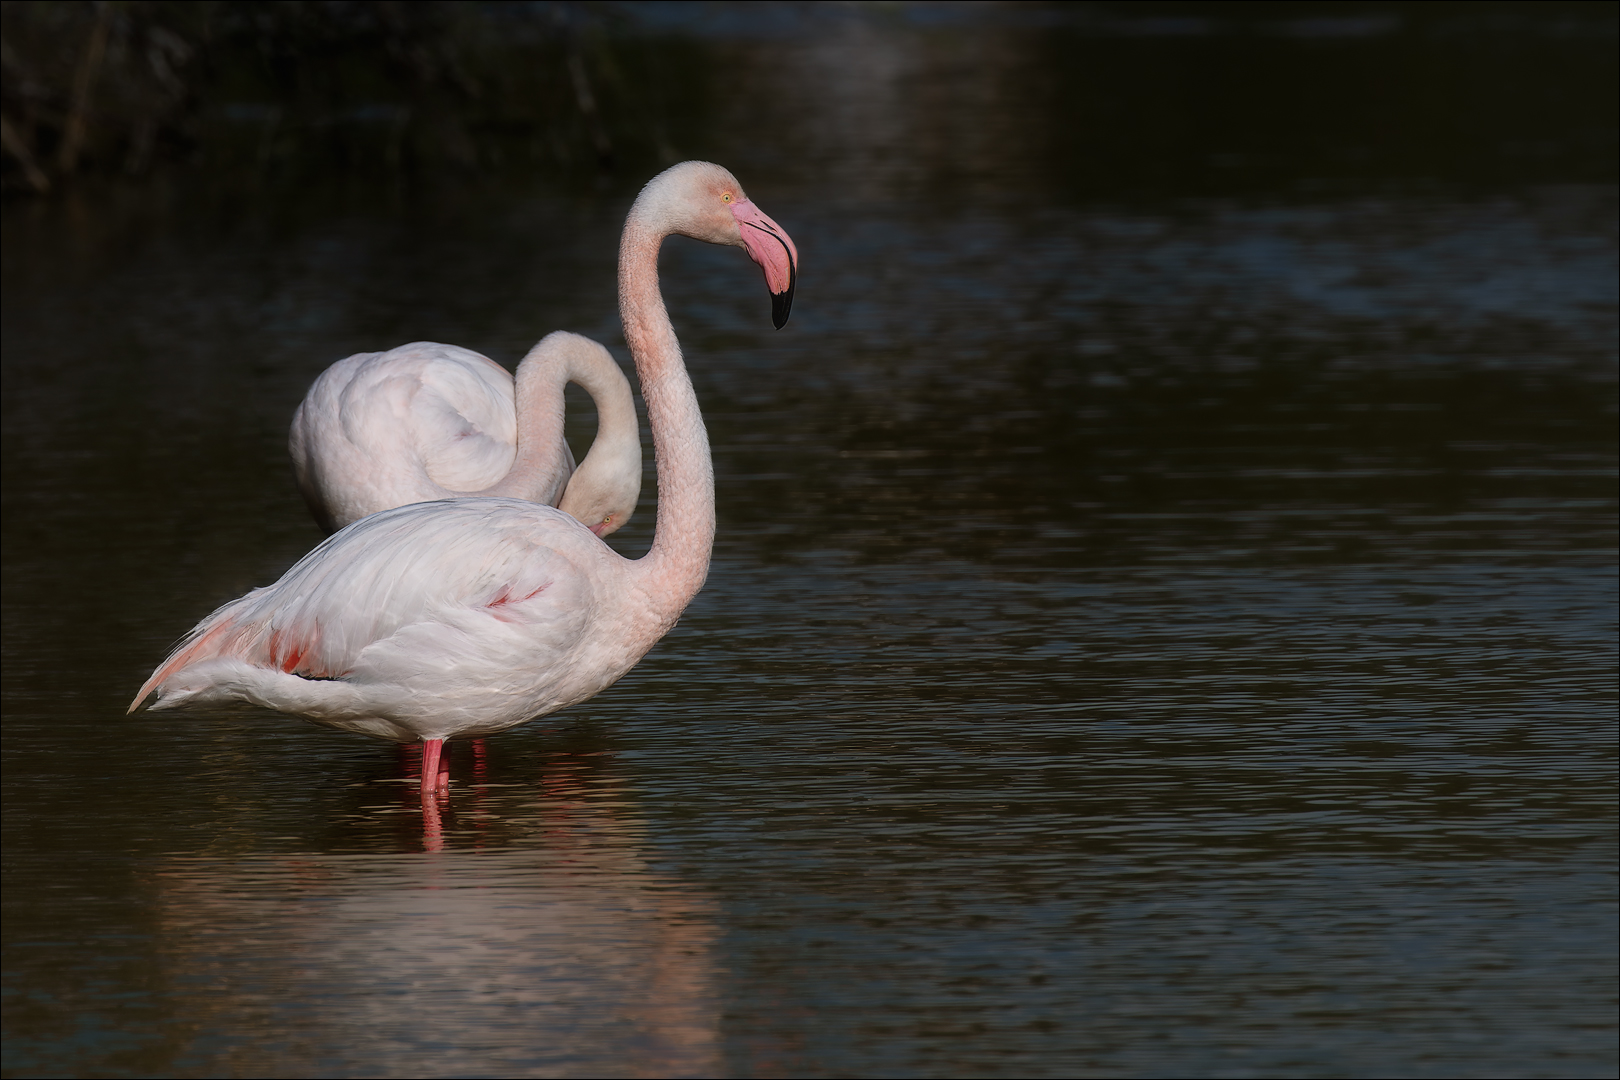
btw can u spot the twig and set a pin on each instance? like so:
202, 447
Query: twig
18, 148
84, 81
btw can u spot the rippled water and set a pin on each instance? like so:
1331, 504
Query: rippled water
1145, 636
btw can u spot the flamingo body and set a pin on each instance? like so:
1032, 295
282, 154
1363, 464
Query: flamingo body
463, 617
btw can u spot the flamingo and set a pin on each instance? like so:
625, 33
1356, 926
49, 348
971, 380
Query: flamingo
427, 421
464, 617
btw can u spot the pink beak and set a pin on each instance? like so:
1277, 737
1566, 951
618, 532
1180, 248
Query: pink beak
769, 245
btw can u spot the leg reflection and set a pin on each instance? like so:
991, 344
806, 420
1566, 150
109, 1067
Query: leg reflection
432, 825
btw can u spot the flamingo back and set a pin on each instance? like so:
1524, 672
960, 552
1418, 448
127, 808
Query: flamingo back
422, 421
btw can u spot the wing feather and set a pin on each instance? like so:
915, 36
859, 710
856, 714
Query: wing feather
422, 595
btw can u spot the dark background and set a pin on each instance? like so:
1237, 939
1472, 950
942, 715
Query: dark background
1139, 100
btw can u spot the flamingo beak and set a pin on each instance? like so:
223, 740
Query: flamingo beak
769, 245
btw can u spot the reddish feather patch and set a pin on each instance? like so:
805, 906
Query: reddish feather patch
218, 641
506, 598
289, 655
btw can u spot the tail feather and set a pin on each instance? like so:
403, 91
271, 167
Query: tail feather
204, 643
239, 631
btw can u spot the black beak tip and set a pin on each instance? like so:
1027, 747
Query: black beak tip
781, 304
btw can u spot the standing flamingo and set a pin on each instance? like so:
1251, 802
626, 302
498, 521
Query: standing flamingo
465, 617
428, 421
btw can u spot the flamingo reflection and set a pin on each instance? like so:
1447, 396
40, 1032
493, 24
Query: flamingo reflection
557, 953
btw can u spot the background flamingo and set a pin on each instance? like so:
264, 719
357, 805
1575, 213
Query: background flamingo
465, 617
429, 421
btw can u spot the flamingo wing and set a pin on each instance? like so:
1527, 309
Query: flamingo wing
423, 421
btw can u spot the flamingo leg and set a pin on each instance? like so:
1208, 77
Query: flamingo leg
431, 782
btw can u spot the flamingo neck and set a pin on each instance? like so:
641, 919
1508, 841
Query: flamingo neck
613, 463
673, 570
539, 469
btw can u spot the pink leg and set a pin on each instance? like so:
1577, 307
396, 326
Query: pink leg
431, 749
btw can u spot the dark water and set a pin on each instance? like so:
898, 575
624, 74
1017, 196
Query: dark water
1159, 625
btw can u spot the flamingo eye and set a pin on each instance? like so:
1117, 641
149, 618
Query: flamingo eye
727, 197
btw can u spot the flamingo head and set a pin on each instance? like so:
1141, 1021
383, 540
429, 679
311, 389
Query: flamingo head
704, 201
604, 490
603, 510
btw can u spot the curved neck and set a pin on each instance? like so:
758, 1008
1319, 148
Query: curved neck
674, 569
611, 468
542, 464
615, 407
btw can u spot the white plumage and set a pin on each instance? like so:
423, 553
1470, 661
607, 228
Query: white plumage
462, 617
377, 428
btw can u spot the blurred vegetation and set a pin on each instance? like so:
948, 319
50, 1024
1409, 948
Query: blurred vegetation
118, 85
1103, 99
